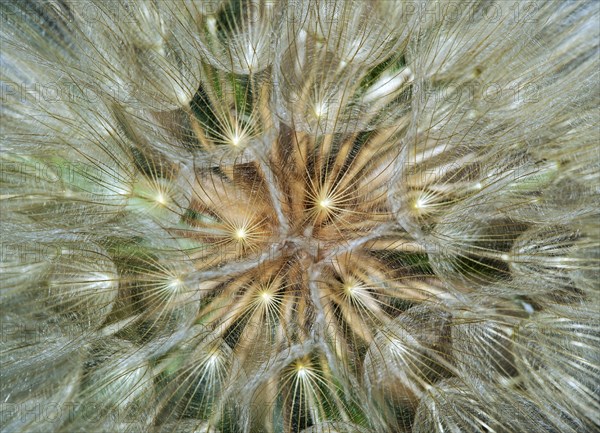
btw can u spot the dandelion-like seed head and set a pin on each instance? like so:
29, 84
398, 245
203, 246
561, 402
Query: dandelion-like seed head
300, 216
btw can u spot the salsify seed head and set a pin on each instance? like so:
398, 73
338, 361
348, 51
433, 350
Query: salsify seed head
299, 216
